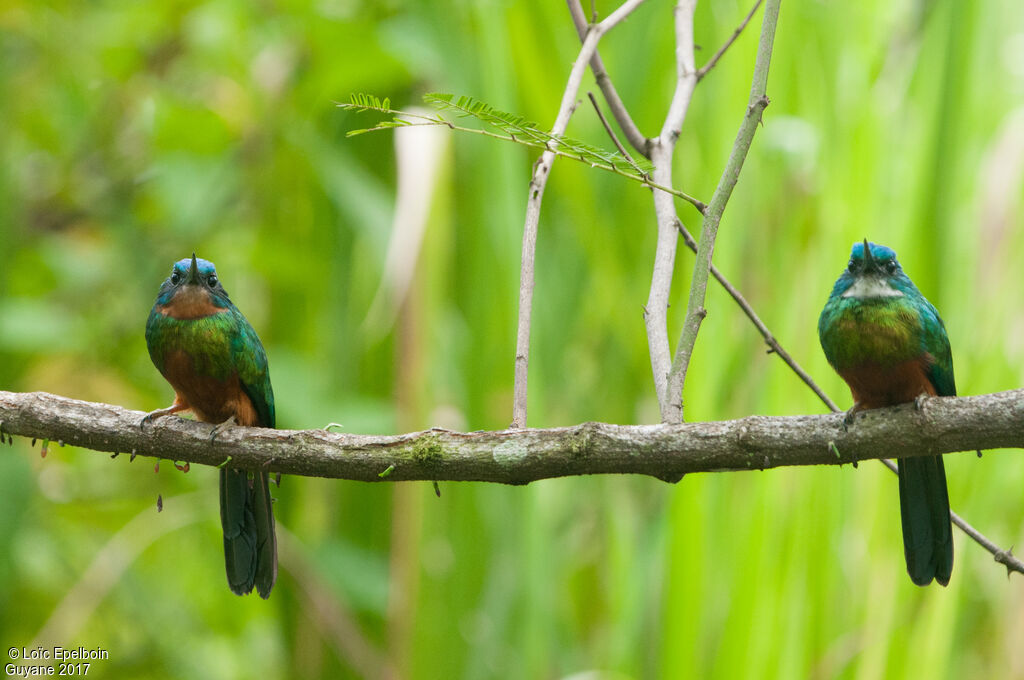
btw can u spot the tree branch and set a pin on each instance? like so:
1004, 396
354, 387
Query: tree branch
541, 170
695, 312
614, 137
703, 70
773, 345
943, 425
662, 150
611, 95
1003, 557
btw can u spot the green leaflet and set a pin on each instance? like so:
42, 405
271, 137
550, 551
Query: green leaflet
515, 128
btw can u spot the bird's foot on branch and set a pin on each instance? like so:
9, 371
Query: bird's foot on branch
849, 416
160, 412
217, 429
847, 421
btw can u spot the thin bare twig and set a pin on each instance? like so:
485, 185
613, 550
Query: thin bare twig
533, 202
1003, 557
672, 412
633, 135
703, 70
614, 137
662, 150
769, 339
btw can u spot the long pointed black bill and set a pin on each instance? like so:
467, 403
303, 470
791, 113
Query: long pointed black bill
869, 262
193, 271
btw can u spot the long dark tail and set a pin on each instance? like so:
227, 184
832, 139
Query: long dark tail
250, 545
924, 507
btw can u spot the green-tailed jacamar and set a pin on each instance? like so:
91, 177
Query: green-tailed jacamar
212, 357
890, 346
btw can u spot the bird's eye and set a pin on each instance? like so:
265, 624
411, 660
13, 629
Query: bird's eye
890, 266
850, 265
212, 280
175, 278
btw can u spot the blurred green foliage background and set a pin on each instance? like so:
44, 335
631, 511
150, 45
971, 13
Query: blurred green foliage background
136, 132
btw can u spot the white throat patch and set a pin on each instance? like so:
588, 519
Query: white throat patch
871, 287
